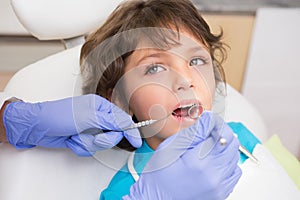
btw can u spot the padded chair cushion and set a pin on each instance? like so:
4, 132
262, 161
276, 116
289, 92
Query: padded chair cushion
55, 77
56, 19
48, 174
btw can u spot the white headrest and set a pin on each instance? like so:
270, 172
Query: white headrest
62, 19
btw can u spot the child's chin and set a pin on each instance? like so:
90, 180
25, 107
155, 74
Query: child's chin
182, 123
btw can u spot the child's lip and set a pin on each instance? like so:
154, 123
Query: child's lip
187, 102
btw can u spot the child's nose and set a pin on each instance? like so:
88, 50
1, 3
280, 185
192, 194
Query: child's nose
183, 80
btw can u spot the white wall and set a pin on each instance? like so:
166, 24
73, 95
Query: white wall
272, 80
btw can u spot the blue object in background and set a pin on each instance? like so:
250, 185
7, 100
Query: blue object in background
245, 136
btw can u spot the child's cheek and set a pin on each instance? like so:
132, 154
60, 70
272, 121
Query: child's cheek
151, 102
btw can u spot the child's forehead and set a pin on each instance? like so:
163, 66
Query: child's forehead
180, 50
165, 41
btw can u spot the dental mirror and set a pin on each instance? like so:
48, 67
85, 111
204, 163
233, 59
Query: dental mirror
195, 111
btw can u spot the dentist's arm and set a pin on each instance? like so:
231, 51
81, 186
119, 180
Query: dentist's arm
192, 165
57, 124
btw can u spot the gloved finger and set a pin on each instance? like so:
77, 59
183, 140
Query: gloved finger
215, 142
219, 157
226, 153
229, 166
206, 147
213, 146
108, 140
205, 132
209, 125
86, 141
226, 135
53, 142
175, 146
114, 118
65, 142
187, 141
78, 149
172, 148
134, 137
219, 134
186, 138
230, 182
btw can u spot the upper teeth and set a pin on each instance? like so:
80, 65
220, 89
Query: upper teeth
187, 106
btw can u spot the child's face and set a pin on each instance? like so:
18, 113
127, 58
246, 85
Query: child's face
157, 82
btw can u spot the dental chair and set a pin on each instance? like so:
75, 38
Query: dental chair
59, 174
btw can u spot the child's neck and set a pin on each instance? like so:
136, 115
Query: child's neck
154, 142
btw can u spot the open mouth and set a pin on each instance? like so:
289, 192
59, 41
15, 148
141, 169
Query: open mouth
183, 111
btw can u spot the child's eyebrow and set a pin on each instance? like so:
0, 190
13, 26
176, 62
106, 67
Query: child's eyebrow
196, 48
151, 55
188, 50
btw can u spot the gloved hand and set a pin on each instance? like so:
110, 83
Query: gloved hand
56, 124
200, 167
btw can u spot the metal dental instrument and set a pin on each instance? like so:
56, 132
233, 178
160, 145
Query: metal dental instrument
144, 123
248, 154
132, 126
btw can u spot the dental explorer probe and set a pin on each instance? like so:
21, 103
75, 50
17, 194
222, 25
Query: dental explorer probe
248, 154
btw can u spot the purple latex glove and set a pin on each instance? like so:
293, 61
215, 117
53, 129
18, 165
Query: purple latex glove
192, 164
56, 124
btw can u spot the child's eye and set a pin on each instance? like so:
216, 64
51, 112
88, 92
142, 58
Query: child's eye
153, 69
197, 62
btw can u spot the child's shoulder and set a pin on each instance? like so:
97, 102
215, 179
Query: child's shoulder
119, 186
